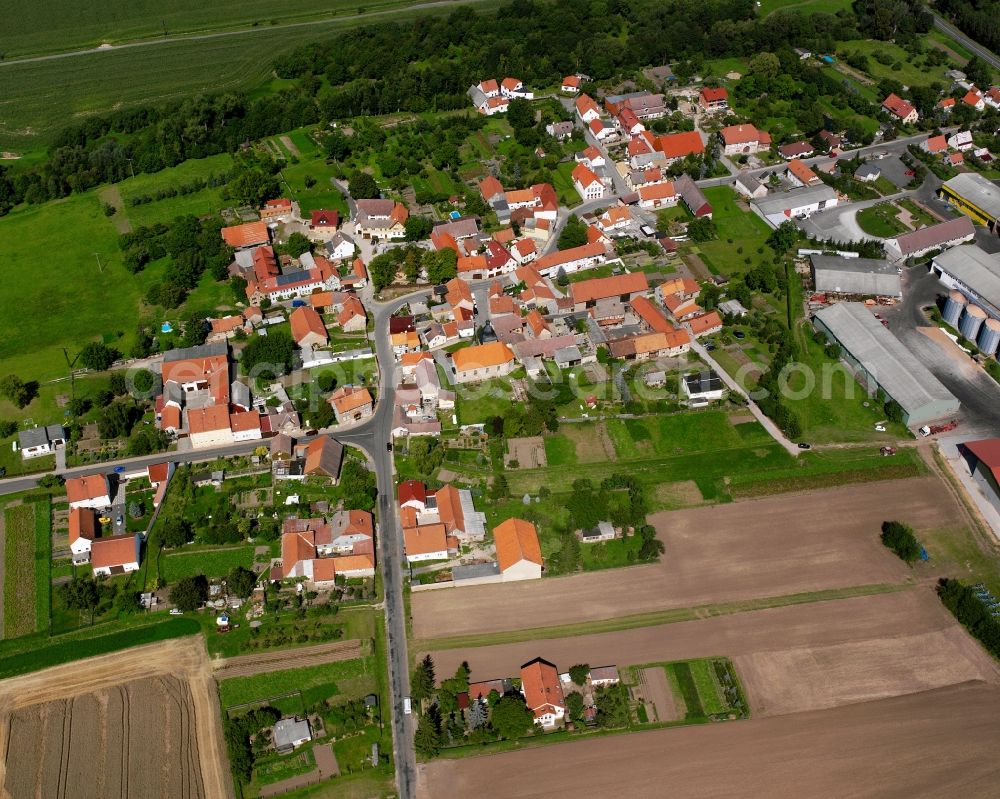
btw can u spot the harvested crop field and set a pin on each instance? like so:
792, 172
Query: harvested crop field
936, 743
248, 665
787, 544
103, 744
800, 657
139, 723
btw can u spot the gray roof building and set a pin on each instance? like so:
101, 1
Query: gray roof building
974, 189
862, 277
974, 272
944, 234
41, 436
289, 733
797, 200
881, 362
201, 351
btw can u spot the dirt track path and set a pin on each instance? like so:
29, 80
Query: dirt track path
182, 658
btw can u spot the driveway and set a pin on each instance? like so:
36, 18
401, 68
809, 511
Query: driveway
977, 391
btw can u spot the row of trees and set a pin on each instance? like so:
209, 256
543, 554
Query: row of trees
969, 609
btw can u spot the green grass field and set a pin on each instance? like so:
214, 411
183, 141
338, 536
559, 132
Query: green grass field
37, 98
738, 230
199, 203
804, 6
880, 220
315, 682
912, 71
212, 564
39, 651
48, 253
19, 595
43, 562
59, 26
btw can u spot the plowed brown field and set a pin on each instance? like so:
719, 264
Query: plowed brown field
139, 723
768, 547
932, 744
800, 657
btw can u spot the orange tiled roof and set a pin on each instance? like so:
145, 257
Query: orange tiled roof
516, 540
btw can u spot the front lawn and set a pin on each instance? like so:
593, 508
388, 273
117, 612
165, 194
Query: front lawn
880, 220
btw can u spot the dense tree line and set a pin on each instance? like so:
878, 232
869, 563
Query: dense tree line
970, 610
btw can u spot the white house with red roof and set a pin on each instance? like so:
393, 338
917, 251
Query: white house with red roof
712, 99
543, 693
83, 529
571, 84
587, 109
513, 89
743, 139
118, 554
901, 109
587, 184
92, 491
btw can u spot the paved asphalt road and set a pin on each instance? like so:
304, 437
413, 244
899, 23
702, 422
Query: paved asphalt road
987, 55
371, 437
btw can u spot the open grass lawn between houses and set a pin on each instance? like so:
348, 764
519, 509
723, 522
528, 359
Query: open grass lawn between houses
747, 231
316, 683
212, 562
19, 571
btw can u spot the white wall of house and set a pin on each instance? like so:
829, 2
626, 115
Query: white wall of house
522, 570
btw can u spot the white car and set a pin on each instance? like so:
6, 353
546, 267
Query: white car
880, 428
176, 612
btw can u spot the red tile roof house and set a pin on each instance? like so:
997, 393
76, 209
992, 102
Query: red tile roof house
543, 693
322, 221
705, 324
351, 403
676, 146
572, 260
901, 109
935, 145
587, 109
974, 98
712, 100
796, 149
115, 555
587, 184
83, 529
92, 491
276, 209
570, 84
743, 140
308, 329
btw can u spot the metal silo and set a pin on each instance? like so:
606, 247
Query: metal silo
971, 321
989, 336
953, 307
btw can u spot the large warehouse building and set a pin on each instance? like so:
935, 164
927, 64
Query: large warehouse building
882, 363
781, 207
933, 237
975, 196
855, 277
972, 271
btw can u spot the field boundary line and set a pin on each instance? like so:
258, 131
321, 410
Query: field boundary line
656, 618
